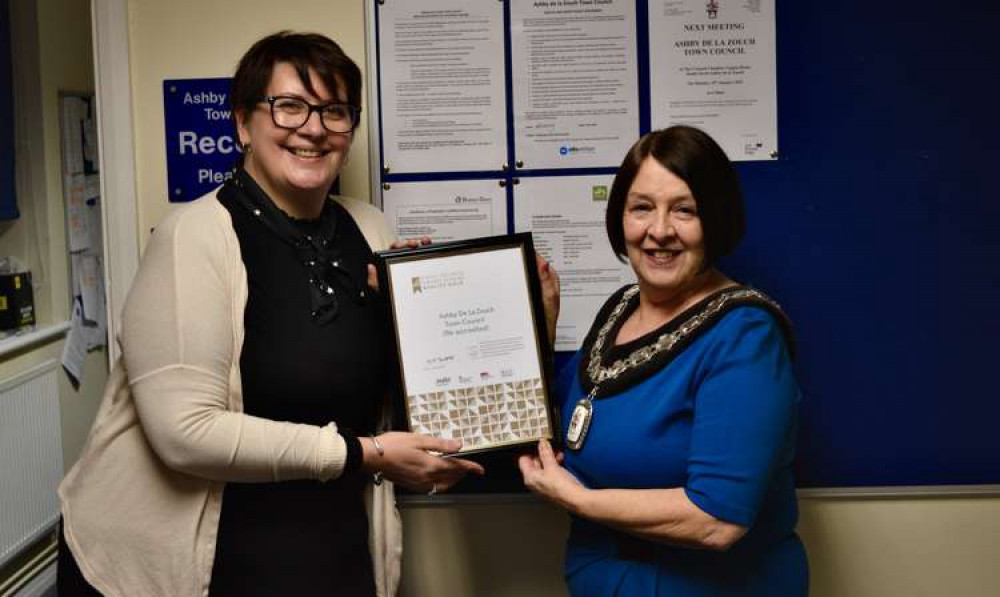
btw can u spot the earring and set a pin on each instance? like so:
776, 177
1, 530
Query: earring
247, 149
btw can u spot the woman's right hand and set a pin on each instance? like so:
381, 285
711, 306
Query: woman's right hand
409, 243
545, 476
416, 461
549, 281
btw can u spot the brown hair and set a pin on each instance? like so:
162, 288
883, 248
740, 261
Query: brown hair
694, 157
303, 51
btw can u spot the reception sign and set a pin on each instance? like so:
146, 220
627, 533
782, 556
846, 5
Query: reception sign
201, 138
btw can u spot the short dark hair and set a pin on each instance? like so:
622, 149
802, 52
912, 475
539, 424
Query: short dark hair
303, 51
694, 157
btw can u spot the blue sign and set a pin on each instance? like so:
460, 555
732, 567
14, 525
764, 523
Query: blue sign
202, 146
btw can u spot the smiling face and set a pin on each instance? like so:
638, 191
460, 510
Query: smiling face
295, 167
663, 236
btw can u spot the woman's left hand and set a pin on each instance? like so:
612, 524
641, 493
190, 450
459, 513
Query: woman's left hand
544, 475
410, 243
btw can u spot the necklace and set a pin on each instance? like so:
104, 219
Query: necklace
314, 243
583, 412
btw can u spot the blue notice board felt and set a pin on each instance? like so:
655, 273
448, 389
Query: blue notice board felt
879, 231
201, 139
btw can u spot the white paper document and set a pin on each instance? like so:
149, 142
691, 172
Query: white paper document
96, 333
76, 271
446, 210
442, 85
90, 279
565, 216
90, 145
88, 293
74, 354
575, 82
74, 113
95, 227
712, 66
77, 219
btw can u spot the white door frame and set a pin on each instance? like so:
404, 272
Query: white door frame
117, 157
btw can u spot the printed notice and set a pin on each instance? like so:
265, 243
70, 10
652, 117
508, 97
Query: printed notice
442, 86
565, 216
712, 66
446, 210
575, 83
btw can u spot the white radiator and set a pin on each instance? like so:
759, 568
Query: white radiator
31, 462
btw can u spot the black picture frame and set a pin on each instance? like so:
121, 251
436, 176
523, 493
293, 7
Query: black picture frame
385, 262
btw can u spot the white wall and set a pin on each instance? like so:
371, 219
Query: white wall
858, 548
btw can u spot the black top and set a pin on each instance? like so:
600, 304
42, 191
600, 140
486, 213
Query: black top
303, 537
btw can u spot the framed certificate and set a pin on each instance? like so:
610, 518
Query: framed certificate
470, 336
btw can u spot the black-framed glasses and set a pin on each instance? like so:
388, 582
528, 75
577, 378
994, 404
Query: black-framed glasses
290, 112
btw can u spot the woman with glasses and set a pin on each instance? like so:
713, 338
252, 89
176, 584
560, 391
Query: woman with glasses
238, 433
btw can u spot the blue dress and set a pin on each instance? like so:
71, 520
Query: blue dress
718, 420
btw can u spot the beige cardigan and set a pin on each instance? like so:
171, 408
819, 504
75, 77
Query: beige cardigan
141, 506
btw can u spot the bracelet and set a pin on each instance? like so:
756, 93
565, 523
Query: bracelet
377, 475
378, 446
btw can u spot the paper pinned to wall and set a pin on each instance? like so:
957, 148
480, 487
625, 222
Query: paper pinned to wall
444, 61
90, 140
446, 210
75, 272
90, 287
712, 66
82, 195
74, 352
74, 112
565, 216
95, 227
76, 212
576, 90
96, 334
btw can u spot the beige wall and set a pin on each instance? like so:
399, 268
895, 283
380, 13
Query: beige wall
56, 55
858, 548
918, 547
511, 549
193, 39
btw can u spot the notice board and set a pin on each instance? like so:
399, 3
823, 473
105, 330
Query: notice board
878, 230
